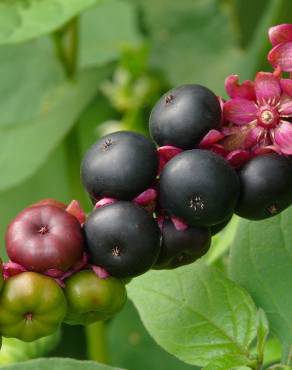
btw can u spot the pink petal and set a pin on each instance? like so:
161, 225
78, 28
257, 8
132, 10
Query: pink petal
211, 138
235, 90
238, 158
280, 33
285, 108
253, 137
240, 111
267, 87
281, 55
283, 137
179, 224
104, 202
286, 85
75, 210
100, 272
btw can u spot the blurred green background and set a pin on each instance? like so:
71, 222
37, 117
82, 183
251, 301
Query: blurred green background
102, 71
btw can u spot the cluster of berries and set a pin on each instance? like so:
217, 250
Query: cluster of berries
48, 279
153, 207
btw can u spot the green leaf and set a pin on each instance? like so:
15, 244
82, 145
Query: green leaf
127, 333
261, 261
101, 41
262, 332
195, 313
58, 364
29, 73
192, 41
26, 147
22, 20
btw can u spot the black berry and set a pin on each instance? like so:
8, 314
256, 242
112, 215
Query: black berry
122, 238
183, 115
266, 187
200, 187
182, 247
120, 165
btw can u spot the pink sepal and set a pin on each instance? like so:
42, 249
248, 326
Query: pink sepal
105, 202
178, 223
11, 269
165, 154
147, 199
75, 210
100, 272
238, 158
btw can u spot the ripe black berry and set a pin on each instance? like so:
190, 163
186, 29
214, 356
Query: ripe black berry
183, 115
122, 238
200, 187
266, 187
182, 247
120, 165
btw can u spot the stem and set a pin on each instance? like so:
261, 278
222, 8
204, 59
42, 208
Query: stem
96, 342
73, 159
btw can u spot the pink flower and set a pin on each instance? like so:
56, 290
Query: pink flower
281, 53
261, 120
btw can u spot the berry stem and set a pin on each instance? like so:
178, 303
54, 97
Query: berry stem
96, 342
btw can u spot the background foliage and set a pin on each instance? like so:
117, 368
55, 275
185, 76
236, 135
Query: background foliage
71, 71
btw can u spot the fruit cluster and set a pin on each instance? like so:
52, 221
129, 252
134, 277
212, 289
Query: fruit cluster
155, 206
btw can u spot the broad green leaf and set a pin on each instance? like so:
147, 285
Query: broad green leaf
25, 148
192, 41
22, 20
58, 364
102, 41
14, 350
195, 313
137, 350
261, 261
29, 73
